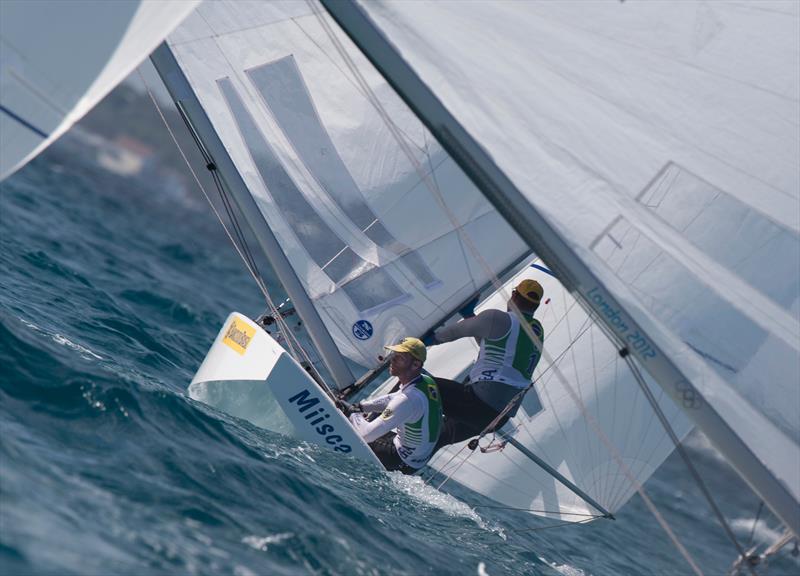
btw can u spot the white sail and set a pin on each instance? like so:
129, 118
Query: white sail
618, 424
58, 59
651, 151
388, 237
346, 194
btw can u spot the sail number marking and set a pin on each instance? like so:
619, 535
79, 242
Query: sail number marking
305, 402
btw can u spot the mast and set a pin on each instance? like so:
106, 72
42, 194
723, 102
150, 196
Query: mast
181, 92
563, 259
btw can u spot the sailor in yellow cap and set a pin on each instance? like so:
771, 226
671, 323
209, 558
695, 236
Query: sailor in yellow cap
403, 437
503, 370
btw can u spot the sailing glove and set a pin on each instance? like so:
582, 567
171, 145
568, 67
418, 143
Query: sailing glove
348, 408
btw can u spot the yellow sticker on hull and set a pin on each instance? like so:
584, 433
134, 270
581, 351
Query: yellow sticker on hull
238, 335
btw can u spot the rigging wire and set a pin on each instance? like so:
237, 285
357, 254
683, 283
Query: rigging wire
206, 157
496, 282
755, 524
244, 252
234, 220
683, 453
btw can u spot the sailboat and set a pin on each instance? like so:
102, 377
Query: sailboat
632, 163
654, 174
371, 257
395, 159
635, 164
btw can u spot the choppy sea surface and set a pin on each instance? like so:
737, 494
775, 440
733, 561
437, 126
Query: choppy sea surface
111, 291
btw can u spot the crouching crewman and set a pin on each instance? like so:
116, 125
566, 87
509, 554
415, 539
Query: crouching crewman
404, 435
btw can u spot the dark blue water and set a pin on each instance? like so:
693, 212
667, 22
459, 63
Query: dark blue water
111, 291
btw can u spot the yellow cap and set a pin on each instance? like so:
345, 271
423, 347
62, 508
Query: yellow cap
531, 290
413, 346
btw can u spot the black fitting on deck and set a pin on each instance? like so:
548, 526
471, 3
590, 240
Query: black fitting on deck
624, 352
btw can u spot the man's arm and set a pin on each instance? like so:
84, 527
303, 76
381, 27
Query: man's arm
398, 411
490, 324
378, 404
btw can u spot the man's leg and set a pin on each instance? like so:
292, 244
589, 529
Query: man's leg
386, 452
455, 406
465, 415
455, 431
456, 398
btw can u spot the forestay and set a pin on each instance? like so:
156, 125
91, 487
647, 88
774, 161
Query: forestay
659, 142
380, 256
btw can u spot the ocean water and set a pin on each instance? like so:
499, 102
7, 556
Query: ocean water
111, 291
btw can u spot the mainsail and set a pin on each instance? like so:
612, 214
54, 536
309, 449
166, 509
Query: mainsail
345, 194
648, 152
58, 59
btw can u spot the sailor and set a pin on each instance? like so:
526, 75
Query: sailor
503, 371
403, 436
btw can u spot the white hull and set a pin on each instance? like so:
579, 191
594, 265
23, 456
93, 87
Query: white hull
249, 375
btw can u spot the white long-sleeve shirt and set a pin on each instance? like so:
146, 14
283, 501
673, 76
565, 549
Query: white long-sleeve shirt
414, 412
396, 409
